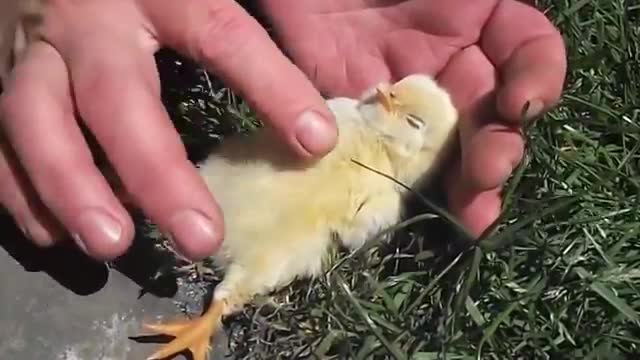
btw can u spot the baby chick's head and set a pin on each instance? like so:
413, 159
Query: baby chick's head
412, 115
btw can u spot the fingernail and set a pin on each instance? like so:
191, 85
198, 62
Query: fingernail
315, 133
35, 232
97, 226
192, 226
533, 109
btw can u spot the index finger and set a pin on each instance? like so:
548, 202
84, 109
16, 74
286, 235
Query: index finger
119, 100
233, 45
490, 149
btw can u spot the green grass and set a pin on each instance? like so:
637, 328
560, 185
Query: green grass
558, 278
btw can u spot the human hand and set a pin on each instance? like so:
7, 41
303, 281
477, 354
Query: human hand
96, 62
494, 56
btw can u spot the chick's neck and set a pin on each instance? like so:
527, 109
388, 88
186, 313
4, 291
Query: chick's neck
420, 166
369, 147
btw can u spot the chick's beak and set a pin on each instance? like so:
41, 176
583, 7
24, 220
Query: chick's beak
384, 99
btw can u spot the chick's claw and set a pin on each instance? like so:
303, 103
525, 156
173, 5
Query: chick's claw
193, 335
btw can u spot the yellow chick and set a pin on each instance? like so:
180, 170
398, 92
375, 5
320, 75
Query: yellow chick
281, 218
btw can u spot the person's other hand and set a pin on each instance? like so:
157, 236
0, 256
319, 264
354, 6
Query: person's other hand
494, 56
95, 62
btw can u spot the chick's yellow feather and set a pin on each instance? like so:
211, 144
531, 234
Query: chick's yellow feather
280, 215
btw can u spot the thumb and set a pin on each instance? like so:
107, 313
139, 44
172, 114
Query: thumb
530, 56
533, 78
229, 42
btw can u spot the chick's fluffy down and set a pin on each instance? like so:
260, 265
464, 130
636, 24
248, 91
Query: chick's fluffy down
280, 214
279, 218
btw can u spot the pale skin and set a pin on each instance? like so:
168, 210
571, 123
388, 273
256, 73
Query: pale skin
479, 50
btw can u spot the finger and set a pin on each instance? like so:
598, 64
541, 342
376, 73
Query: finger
25, 208
531, 59
323, 6
231, 43
476, 210
39, 124
140, 141
489, 149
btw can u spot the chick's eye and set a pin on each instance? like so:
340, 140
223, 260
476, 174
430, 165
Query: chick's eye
415, 121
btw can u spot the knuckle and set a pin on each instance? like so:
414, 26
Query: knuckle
152, 179
51, 186
41, 234
225, 31
57, 191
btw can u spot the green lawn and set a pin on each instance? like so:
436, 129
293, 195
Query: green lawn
558, 278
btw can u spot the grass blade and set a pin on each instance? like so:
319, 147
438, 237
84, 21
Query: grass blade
621, 305
397, 354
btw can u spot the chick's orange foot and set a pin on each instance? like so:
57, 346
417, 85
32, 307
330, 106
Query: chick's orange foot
193, 335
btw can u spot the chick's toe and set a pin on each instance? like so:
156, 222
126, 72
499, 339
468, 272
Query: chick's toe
193, 335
